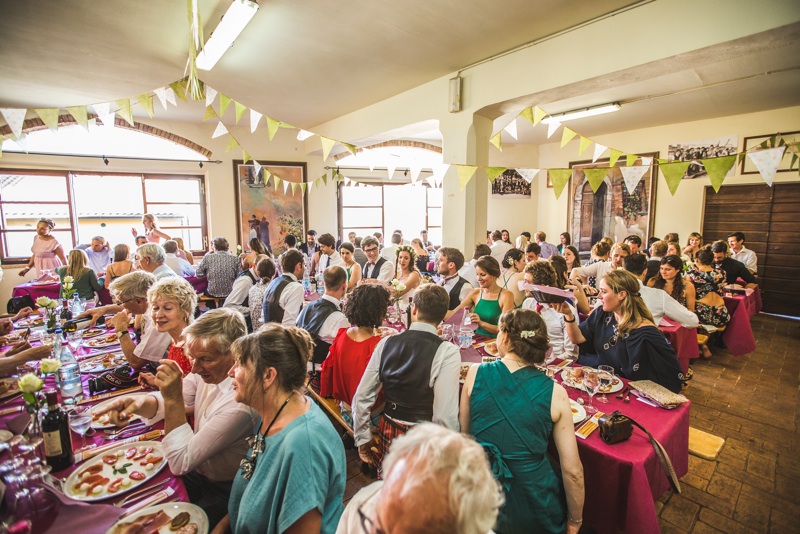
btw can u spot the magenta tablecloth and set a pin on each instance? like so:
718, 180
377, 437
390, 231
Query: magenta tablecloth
683, 340
199, 283
738, 336
53, 291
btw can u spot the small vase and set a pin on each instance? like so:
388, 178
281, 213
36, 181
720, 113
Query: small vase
34, 430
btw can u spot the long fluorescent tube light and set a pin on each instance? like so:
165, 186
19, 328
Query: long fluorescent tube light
581, 113
231, 25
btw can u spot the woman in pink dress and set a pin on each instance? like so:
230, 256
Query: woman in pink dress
151, 231
47, 251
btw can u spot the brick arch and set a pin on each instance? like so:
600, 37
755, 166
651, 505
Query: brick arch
396, 143
35, 124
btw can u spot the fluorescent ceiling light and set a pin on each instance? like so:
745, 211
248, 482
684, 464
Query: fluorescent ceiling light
581, 113
231, 25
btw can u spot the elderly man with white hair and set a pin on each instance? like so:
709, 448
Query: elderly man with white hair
151, 258
435, 480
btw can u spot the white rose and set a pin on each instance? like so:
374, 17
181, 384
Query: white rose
68, 279
43, 302
50, 365
400, 287
29, 383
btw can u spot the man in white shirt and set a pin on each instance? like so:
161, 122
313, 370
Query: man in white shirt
180, 266
152, 259
99, 254
499, 247
207, 457
742, 254
658, 301
377, 267
548, 249
418, 373
468, 270
389, 252
284, 297
449, 263
328, 255
239, 297
618, 253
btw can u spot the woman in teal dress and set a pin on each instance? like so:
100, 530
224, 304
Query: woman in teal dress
511, 409
489, 299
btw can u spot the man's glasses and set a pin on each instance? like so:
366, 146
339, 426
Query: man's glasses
122, 303
371, 249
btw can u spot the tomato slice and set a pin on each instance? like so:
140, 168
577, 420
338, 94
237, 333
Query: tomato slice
154, 460
98, 483
93, 469
91, 479
114, 486
130, 453
144, 453
137, 475
110, 459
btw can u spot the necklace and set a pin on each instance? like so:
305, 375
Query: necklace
248, 465
518, 362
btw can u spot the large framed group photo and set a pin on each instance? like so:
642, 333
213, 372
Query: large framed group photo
612, 211
267, 212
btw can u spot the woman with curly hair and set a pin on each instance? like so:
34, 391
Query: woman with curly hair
406, 272
514, 263
352, 348
670, 278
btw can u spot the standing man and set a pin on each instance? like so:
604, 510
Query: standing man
389, 252
499, 247
328, 255
310, 246
99, 255
284, 297
450, 261
418, 373
547, 248
742, 254
376, 268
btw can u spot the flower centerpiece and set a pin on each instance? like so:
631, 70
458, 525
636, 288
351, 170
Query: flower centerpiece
31, 386
47, 308
67, 289
49, 366
397, 288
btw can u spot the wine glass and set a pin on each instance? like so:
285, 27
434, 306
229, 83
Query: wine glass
447, 332
80, 419
591, 382
605, 374
75, 339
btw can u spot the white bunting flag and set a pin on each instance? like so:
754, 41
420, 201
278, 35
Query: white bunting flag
255, 116
631, 176
415, 170
219, 131
211, 94
310, 184
347, 181
439, 171
170, 96
14, 117
285, 186
256, 170
767, 161
528, 174
598, 151
512, 128
552, 127
102, 109
161, 93
107, 120
431, 181
647, 161
390, 171
302, 135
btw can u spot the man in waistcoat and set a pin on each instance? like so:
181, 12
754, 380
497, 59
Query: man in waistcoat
450, 261
323, 318
377, 267
283, 299
239, 297
418, 373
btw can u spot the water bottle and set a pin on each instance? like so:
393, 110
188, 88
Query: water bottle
69, 377
306, 283
320, 283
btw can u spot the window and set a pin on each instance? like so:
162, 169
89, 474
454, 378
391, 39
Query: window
84, 205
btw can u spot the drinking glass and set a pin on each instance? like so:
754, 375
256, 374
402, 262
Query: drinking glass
605, 374
48, 340
465, 334
447, 332
75, 339
591, 382
80, 419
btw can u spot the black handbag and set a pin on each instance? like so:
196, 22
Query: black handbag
15, 304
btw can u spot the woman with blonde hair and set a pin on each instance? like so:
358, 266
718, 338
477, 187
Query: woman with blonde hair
623, 334
122, 264
693, 245
182, 252
151, 231
84, 280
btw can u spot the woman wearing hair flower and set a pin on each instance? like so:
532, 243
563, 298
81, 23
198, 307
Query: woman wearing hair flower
514, 264
406, 272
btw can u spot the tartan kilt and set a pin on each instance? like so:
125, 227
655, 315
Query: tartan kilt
387, 431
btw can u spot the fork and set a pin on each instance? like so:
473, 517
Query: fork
144, 492
622, 393
138, 431
131, 426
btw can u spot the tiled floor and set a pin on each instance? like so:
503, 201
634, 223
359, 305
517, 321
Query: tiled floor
752, 402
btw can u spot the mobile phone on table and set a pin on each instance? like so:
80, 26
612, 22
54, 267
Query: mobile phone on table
26, 334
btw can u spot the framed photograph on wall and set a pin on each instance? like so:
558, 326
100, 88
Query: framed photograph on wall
751, 142
511, 185
611, 211
268, 213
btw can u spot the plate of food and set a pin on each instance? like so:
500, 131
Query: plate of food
29, 321
115, 472
100, 422
8, 387
386, 331
464, 370
578, 412
491, 348
14, 336
171, 517
573, 377
101, 364
93, 331
101, 342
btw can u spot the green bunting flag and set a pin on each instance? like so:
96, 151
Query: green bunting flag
614, 155
180, 89
224, 102
596, 176
327, 146
80, 115
232, 143
585, 143
717, 168
630, 159
240, 109
497, 142
538, 115
125, 110
465, 173
493, 172
559, 178
527, 114
272, 127
351, 148
146, 101
49, 117
209, 114
673, 173
567, 135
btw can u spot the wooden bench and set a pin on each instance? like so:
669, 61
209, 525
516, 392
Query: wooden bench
331, 407
206, 299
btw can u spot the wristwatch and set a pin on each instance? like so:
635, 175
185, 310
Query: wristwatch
120, 334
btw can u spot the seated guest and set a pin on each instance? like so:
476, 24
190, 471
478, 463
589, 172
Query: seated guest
599, 269
708, 284
489, 299
328, 255
674, 249
256, 248
99, 255
547, 249
498, 246
122, 264
448, 265
436, 480
358, 253
352, 348
418, 373
671, 279
693, 245
84, 281
734, 269
599, 252
514, 264
533, 252
388, 253
658, 249
634, 242
565, 240
310, 246
21, 351
740, 253
422, 254
283, 299
351, 238
293, 477
406, 272
323, 318
505, 236
659, 301
179, 265
521, 242
265, 270
512, 410
140, 240
182, 252
468, 270
426, 244
220, 267
352, 268
239, 297
207, 456
572, 256
151, 258
672, 237
377, 267
622, 334
541, 273
559, 265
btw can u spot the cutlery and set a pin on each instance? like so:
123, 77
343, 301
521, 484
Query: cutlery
152, 435
586, 429
132, 426
622, 393
138, 431
628, 396
153, 499
144, 492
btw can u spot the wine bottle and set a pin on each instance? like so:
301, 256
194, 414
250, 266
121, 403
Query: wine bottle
55, 431
73, 325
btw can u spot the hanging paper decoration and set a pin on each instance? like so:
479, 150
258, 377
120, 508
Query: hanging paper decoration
630, 159
327, 145
717, 168
179, 89
80, 115
595, 177
170, 95
257, 169
390, 170
219, 131
272, 128
211, 95
232, 143
49, 117
598, 151
613, 157
585, 143
528, 174
240, 109
527, 114
303, 135
209, 114
350, 148
767, 162
161, 93
146, 102
512, 128
647, 161
493, 172
224, 102
125, 110
559, 178
673, 173
414, 172
552, 127
496, 141
631, 177
567, 135
255, 116
538, 115
465, 174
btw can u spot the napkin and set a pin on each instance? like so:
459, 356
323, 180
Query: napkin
19, 423
75, 516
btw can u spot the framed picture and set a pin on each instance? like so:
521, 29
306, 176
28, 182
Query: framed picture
611, 211
699, 149
268, 213
751, 142
511, 185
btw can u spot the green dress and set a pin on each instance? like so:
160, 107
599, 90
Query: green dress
510, 417
489, 311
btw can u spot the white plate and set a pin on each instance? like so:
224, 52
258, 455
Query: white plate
102, 342
94, 331
172, 509
96, 364
8, 387
578, 412
616, 385
107, 472
5, 435
97, 407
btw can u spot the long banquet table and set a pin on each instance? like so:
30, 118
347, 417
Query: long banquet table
52, 290
738, 336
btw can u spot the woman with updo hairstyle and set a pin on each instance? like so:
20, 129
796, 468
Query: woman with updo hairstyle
512, 410
422, 254
265, 269
600, 252
352, 349
48, 254
489, 299
514, 264
294, 474
708, 284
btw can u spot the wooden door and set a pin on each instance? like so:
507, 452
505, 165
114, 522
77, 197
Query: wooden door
587, 206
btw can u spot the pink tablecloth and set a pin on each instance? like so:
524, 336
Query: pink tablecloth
53, 291
738, 336
683, 340
199, 283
